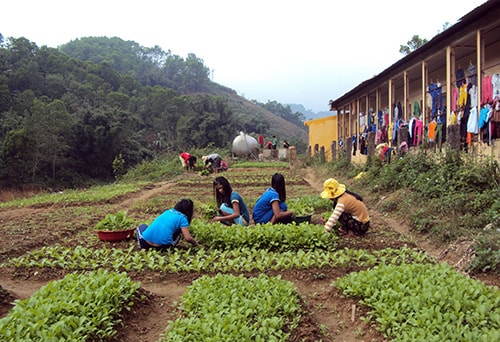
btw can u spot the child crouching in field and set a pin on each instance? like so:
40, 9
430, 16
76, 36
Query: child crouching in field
350, 210
165, 231
271, 206
231, 205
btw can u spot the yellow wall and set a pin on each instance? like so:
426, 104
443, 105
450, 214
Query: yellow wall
323, 132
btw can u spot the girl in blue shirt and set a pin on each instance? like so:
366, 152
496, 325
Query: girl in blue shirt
165, 231
271, 206
231, 206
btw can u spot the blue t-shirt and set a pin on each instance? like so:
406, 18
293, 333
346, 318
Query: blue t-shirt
163, 229
243, 207
263, 209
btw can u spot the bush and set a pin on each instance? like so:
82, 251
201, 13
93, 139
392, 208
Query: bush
487, 249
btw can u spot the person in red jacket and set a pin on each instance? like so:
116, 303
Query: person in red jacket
188, 161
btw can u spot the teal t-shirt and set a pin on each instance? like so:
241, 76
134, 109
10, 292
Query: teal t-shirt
243, 207
163, 229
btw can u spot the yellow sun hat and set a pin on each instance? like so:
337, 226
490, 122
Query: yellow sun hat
332, 188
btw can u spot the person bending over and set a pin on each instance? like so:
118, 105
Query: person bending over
165, 231
350, 210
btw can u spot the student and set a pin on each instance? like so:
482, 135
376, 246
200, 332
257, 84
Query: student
188, 161
232, 208
213, 161
275, 142
350, 210
271, 206
165, 231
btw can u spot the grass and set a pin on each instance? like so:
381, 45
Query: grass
96, 193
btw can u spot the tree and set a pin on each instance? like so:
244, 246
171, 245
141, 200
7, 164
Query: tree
49, 126
412, 45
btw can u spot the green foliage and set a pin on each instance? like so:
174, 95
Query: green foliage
67, 113
285, 112
414, 43
447, 194
279, 237
119, 167
96, 193
115, 222
242, 259
154, 170
79, 307
235, 308
487, 258
308, 205
341, 165
414, 302
209, 211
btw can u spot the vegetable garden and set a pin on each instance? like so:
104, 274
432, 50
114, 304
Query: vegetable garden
257, 283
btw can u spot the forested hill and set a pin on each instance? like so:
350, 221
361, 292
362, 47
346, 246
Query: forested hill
67, 113
153, 66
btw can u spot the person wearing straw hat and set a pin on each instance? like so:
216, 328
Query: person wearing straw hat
350, 210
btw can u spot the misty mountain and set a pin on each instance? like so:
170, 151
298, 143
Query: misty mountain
308, 114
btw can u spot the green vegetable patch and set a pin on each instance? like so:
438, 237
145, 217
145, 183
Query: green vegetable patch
236, 308
77, 308
415, 302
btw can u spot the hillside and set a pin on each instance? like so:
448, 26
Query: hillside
245, 108
69, 113
153, 66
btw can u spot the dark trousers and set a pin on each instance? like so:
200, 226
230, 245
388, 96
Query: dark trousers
350, 223
143, 244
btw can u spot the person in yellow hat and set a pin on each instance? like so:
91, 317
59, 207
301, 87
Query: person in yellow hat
350, 210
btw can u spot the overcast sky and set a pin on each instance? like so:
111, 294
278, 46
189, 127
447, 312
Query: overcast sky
302, 52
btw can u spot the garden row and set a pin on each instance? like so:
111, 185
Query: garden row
405, 288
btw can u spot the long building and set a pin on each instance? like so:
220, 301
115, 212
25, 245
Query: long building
445, 93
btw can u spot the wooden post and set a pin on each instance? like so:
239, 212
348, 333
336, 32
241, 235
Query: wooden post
293, 159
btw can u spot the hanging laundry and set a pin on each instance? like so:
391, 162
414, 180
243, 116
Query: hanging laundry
485, 115
473, 96
431, 132
380, 118
487, 89
472, 74
495, 81
417, 135
460, 76
416, 108
462, 98
435, 92
411, 128
454, 99
362, 121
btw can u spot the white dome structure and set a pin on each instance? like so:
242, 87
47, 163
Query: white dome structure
245, 145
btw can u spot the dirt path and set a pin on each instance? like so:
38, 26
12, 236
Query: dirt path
457, 254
